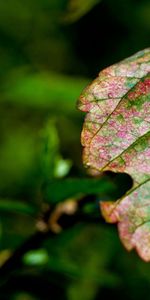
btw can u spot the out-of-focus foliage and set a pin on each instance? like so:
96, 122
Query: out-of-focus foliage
49, 51
78, 8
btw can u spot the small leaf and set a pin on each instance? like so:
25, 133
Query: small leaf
116, 137
36, 257
62, 167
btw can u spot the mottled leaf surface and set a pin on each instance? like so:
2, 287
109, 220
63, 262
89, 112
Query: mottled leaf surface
116, 137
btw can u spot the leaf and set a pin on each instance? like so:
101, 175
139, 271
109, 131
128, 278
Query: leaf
37, 257
9, 205
116, 137
42, 90
59, 190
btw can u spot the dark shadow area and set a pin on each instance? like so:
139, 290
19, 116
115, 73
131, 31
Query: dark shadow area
123, 181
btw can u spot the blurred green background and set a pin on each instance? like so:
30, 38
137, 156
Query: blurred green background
49, 51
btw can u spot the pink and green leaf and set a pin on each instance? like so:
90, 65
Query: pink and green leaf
116, 137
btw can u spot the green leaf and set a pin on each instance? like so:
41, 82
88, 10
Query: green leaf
52, 165
36, 257
17, 207
50, 151
59, 190
116, 137
43, 90
62, 167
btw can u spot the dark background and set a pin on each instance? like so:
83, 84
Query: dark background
49, 51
